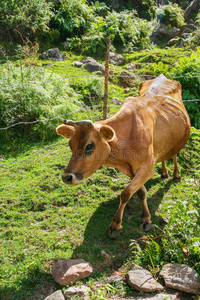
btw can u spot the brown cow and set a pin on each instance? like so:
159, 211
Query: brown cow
148, 129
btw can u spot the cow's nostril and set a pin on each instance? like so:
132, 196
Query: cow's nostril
67, 179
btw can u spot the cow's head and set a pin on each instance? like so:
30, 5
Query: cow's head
90, 148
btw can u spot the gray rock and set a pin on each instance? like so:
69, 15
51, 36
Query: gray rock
67, 45
142, 280
172, 32
53, 54
68, 271
188, 28
194, 6
181, 277
127, 78
55, 296
114, 279
173, 42
130, 67
185, 36
91, 65
116, 59
81, 291
168, 33
116, 101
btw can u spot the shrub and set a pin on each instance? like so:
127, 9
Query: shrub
73, 17
194, 39
187, 71
26, 17
170, 15
91, 90
125, 28
30, 95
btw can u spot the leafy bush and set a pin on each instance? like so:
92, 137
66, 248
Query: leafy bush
187, 71
125, 28
72, 17
23, 17
194, 39
170, 15
91, 90
179, 242
45, 98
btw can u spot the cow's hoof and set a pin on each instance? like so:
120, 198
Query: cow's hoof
145, 225
164, 176
177, 179
112, 232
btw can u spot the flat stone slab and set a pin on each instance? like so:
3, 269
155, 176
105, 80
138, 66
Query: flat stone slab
81, 291
142, 280
181, 277
55, 296
68, 271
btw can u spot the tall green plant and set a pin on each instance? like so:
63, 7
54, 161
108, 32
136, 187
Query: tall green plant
170, 15
73, 17
23, 17
31, 95
187, 73
125, 28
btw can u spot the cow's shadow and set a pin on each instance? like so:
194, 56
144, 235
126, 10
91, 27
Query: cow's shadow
96, 244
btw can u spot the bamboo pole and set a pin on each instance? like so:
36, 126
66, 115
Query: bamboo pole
105, 108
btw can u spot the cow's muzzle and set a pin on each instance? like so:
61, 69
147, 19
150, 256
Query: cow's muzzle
72, 178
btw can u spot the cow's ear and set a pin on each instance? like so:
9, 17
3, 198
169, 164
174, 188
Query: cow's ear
66, 131
107, 133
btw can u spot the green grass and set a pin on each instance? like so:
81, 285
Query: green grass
43, 220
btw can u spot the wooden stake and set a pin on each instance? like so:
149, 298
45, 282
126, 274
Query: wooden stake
105, 108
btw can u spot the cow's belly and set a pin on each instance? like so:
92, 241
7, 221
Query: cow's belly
170, 135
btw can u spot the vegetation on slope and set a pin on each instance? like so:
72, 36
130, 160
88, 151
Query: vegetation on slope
41, 219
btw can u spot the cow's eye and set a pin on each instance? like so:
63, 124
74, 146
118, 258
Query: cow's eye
89, 148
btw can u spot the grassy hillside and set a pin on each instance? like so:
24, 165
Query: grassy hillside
42, 220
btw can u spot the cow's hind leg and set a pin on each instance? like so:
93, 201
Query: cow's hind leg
145, 224
164, 172
135, 185
176, 174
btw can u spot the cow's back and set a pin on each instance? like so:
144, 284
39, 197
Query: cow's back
171, 123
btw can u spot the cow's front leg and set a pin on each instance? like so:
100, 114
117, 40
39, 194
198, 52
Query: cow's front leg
142, 176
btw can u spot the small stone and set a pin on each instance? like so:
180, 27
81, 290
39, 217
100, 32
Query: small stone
116, 101
53, 54
68, 271
114, 279
142, 280
173, 42
131, 67
181, 277
81, 291
77, 64
91, 65
116, 59
55, 296
126, 78
106, 255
